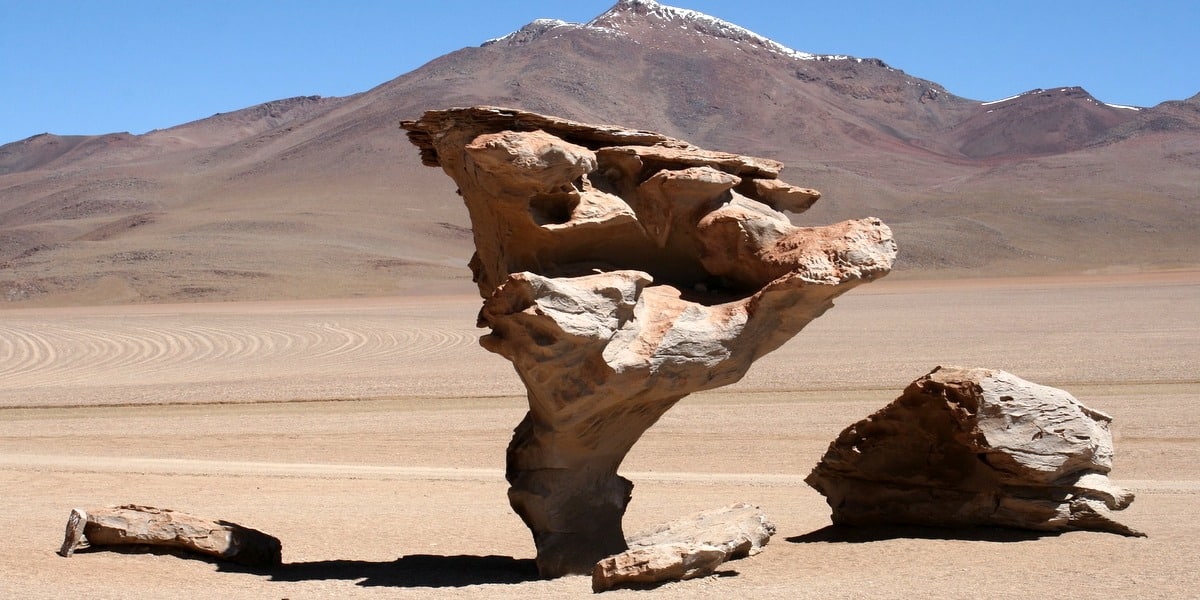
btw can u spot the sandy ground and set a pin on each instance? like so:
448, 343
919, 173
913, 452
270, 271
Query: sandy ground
369, 436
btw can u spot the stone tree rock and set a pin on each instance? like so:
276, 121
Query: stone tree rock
966, 447
622, 270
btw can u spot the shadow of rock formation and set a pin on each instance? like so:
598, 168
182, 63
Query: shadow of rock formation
412, 571
849, 534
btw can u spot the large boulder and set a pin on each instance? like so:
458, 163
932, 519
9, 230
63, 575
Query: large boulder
622, 270
975, 447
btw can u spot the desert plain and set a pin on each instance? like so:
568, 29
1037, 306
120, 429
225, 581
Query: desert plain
264, 316
368, 435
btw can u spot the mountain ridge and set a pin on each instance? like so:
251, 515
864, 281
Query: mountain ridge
313, 197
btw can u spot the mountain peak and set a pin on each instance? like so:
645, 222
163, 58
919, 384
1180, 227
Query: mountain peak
626, 12
627, 15
1072, 93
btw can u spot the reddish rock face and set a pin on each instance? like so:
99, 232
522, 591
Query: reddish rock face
622, 270
970, 447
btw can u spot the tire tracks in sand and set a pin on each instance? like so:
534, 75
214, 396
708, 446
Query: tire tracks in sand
48, 352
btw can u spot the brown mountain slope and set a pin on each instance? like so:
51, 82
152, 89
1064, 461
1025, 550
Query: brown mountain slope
312, 197
1038, 122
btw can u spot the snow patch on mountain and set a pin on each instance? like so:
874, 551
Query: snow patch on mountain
1004, 99
540, 27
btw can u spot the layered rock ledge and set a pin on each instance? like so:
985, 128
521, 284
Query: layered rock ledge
622, 270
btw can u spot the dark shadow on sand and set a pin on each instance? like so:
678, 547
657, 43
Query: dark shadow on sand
846, 534
414, 570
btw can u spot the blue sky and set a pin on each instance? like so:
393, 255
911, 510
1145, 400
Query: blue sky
90, 67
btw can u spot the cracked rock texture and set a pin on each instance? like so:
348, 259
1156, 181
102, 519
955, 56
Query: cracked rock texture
975, 447
622, 270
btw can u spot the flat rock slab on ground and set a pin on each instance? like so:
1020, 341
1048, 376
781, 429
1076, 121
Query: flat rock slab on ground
131, 524
686, 548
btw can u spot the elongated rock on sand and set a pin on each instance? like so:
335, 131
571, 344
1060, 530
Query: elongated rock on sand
131, 524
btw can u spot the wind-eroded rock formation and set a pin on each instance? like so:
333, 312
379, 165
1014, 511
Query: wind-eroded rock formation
622, 270
969, 447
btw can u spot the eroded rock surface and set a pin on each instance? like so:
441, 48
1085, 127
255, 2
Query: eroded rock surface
969, 447
622, 270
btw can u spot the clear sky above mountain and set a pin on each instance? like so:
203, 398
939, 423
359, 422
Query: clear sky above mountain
81, 67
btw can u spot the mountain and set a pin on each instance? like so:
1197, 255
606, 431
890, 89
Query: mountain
323, 197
